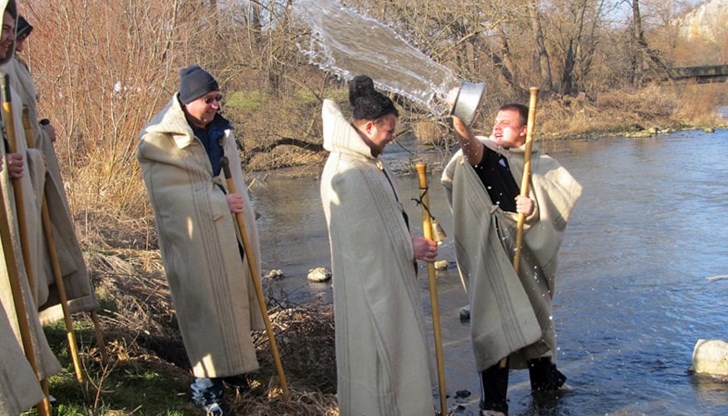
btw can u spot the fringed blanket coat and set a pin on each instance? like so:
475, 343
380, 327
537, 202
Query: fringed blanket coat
382, 357
76, 280
19, 386
30, 186
510, 314
210, 282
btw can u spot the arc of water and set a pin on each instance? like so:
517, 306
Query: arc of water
347, 44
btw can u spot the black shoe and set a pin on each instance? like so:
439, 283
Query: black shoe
238, 383
545, 378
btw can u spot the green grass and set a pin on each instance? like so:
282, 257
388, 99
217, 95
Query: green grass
247, 101
120, 388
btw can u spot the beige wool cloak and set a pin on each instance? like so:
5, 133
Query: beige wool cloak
382, 356
19, 386
76, 280
210, 283
32, 182
510, 314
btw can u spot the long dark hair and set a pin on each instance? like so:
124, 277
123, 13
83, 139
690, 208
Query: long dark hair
368, 103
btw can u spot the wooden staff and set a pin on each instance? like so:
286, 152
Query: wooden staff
17, 184
44, 407
55, 263
526, 179
428, 234
255, 276
100, 343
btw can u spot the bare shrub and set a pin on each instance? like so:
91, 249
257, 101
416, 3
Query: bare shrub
140, 325
697, 103
430, 132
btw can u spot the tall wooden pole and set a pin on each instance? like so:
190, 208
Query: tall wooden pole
525, 182
432, 279
6, 238
526, 179
255, 276
17, 184
55, 263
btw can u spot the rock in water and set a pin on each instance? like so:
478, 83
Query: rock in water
319, 274
274, 274
465, 313
710, 357
441, 264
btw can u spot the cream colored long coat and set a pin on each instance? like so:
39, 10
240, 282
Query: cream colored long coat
510, 313
382, 357
210, 283
19, 387
32, 182
77, 284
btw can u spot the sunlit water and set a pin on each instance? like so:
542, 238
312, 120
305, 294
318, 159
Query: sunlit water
632, 294
347, 43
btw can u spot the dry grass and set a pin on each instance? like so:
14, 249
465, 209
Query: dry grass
430, 132
284, 157
141, 330
696, 105
115, 227
301, 403
667, 106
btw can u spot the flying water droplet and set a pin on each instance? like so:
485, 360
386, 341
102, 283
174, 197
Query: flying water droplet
347, 44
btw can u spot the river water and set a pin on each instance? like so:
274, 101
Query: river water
632, 295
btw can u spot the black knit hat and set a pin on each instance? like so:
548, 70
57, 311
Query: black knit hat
24, 28
194, 82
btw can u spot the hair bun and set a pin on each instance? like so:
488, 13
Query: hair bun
360, 86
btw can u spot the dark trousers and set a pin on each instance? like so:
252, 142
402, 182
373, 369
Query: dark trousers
494, 382
206, 391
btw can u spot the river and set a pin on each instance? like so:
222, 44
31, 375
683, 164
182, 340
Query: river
632, 295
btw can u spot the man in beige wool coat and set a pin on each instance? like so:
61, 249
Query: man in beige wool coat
180, 154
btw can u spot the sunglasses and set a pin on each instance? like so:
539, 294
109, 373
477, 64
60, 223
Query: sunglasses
217, 98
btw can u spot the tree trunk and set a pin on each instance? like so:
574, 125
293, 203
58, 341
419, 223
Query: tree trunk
587, 56
642, 48
255, 28
503, 59
567, 78
542, 64
637, 59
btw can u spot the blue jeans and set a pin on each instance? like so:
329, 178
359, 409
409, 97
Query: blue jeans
206, 391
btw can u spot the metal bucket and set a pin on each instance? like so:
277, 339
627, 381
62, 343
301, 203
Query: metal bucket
468, 100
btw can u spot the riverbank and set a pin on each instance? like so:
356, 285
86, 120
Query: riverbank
148, 372
651, 111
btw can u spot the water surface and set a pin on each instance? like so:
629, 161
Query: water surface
632, 294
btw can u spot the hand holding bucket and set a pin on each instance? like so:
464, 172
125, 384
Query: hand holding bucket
465, 101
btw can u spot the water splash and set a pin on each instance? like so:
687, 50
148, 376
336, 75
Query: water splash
347, 44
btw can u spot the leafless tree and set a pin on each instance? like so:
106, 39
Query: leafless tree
542, 62
104, 68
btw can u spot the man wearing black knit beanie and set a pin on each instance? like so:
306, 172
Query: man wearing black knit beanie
180, 154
